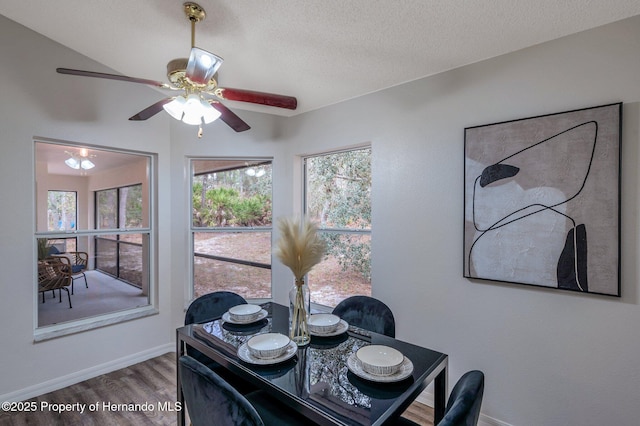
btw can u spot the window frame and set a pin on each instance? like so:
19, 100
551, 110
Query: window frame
52, 331
118, 241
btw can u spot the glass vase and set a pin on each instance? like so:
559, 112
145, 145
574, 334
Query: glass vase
299, 305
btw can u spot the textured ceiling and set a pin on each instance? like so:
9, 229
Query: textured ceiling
322, 52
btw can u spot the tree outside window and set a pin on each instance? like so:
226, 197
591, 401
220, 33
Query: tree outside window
62, 211
338, 199
231, 227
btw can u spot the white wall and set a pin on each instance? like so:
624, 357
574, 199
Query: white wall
46, 182
39, 102
550, 357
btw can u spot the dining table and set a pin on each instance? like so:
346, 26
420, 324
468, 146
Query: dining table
322, 380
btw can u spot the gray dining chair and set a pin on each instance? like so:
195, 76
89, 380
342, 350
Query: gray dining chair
207, 308
211, 400
368, 313
211, 306
463, 408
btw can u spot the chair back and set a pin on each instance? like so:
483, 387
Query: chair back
368, 313
211, 400
211, 306
463, 408
53, 274
53, 250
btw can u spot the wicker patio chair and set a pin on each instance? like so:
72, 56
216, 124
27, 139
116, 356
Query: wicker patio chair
54, 274
77, 261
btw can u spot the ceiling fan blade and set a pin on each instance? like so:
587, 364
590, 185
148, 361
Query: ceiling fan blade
113, 77
269, 99
230, 118
151, 110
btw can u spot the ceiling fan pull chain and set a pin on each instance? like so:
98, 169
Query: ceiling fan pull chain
200, 131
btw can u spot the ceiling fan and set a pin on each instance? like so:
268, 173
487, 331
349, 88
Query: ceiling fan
196, 77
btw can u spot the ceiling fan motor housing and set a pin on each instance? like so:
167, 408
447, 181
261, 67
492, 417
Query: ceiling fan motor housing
177, 75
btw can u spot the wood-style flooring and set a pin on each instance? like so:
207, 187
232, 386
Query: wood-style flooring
152, 382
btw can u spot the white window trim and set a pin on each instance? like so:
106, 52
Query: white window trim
84, 324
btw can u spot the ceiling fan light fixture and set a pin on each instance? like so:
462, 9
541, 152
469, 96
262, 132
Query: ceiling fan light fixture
72, 162
209, 113
197, 110
80, 160
175, 108
87, 164
192, 110
202, 66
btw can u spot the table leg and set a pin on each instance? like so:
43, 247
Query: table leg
440, 390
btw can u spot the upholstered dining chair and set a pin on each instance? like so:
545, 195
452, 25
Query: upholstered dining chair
368, 313
211, 306
211, 400
207, 308
463, 408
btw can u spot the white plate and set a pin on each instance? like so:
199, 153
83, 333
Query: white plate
261, 315
342, 327
243, 354
406, 368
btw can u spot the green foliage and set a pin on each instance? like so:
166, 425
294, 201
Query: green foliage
339, 196
133, 205
340, 189
249, 211
124, 202
218, 203
232, 198
61, 210
352, 252
43, 248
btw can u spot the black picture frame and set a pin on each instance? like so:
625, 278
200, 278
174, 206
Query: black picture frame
542, 200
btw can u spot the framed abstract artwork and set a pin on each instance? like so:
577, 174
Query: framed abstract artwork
542, 200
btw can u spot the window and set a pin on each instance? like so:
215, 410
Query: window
61, 211
337, 190
62, 215
120, 255
106, 214
231, 226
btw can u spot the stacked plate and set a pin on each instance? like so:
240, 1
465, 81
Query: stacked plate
244, 314
326, 325
380, 363
267, 348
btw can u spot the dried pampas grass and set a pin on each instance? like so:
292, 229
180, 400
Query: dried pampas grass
299, 248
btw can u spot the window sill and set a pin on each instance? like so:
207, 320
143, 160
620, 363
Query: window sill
58, 330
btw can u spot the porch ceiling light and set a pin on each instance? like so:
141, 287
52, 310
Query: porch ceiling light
77, 162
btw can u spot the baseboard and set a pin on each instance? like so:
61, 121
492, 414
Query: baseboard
490, 421
426, 398
79, 376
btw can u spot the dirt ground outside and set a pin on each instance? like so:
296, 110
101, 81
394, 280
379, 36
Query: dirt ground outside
328, 283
